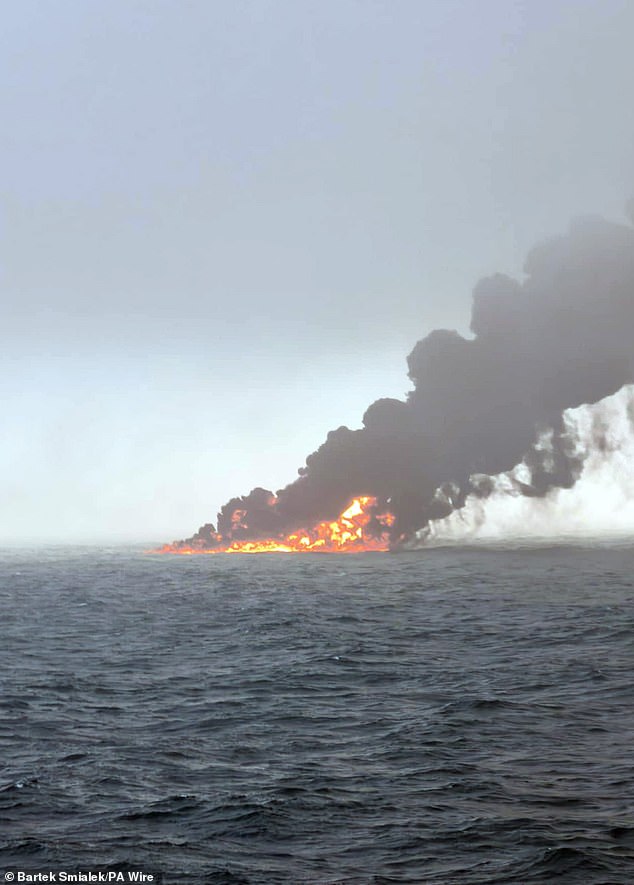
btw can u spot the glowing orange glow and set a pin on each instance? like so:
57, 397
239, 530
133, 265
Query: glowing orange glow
360, 528
236, 519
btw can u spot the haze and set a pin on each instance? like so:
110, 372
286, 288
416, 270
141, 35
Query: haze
225, 225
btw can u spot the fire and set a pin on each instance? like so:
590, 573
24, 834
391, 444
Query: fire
360, 528
236, 519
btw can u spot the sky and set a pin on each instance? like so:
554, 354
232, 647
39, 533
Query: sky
224, 225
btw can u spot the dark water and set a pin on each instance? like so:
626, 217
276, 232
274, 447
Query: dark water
450, 716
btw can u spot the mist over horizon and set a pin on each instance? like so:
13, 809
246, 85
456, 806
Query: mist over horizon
223, 228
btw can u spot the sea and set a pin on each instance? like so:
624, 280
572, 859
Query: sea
459, 715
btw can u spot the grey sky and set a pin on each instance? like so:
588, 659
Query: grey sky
224, 225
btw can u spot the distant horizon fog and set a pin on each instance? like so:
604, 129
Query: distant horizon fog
225, 226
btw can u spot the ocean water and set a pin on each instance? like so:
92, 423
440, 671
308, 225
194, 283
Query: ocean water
442, 716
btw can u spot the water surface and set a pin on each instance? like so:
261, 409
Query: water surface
445, 716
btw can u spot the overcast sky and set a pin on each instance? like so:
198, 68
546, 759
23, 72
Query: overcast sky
225, 224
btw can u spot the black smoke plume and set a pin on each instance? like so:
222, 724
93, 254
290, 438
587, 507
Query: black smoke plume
562, 337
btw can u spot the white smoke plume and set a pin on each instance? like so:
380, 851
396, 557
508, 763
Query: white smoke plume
600, 504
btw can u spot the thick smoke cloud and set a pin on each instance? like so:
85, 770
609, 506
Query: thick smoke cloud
560, 338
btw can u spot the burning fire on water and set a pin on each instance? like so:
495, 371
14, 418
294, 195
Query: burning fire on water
359, 529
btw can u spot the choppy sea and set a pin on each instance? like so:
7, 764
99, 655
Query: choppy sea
443, 716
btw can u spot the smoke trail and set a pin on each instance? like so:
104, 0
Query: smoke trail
560, 338
600, 503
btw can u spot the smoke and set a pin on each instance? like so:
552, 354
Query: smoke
560, 338
600, 503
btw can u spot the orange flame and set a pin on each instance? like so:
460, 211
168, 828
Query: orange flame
360, 528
